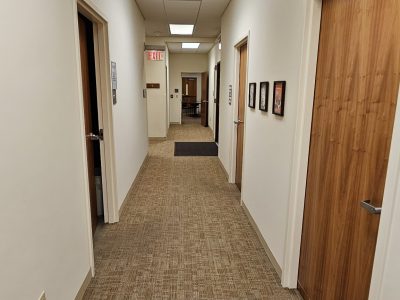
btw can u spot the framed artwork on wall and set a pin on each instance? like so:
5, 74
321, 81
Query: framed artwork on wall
278, 105
252, 95
264, 91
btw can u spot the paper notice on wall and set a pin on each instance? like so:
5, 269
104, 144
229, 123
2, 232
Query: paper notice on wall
155, 55
114, 75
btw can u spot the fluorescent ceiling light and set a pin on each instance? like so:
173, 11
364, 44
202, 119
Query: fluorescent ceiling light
181, 29
219, 46
190, 45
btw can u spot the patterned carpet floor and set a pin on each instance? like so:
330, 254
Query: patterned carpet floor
182, 235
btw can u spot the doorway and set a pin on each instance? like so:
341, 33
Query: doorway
204, 99
354, 106
93, 132
216, 100
240, 117
191, 104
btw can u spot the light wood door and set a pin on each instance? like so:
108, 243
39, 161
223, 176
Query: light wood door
356, 91
84, 51
240, 115
204, 99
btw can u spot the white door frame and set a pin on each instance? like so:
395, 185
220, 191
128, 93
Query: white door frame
235, 105
391, 200
104, 98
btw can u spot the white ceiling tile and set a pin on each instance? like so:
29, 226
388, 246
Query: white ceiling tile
160, 13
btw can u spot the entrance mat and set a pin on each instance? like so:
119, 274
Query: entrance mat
196, 149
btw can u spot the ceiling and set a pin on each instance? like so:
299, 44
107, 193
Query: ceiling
177, 48
205, 14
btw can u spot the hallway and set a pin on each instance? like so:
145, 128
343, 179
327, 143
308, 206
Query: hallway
182, 235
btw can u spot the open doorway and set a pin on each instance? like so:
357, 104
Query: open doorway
93, 132
96, 103
191, 104
217, 85
240, 113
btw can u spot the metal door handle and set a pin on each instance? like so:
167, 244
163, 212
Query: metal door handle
370, 208
237, 122
94, 137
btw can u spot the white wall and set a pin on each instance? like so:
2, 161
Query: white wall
276, 30
43, 224
182, 63
44, 237
214, 56
157, 98
126, 36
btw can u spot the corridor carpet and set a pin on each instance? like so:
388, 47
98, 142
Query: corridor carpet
182, 235
196, 149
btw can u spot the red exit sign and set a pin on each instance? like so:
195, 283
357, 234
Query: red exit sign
155, 55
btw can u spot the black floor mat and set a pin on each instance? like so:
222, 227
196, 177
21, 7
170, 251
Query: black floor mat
196, 149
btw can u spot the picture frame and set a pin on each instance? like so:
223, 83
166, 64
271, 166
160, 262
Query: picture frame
252, 94
278, 105
264, 92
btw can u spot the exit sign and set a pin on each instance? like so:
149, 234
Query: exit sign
155, 55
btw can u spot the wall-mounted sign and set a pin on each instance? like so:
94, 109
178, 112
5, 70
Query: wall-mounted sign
230, 94
153, 85
114, 81
114, 75
155, 55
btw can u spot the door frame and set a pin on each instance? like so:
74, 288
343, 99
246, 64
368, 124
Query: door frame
104, 98
391, 200
235, 104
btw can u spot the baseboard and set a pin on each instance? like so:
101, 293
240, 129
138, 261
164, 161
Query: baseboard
263, 242
175, 123
155, 139
84, 286
223, 169
134, 184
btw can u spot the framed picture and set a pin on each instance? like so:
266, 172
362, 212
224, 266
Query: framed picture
264, 91
252, 95
278, 106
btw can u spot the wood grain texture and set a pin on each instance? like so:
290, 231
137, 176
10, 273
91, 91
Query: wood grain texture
355, 99
88, 116
204, 99
240, 115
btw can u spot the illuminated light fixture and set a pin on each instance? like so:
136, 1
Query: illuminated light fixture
220, 46
179, 29
190, 45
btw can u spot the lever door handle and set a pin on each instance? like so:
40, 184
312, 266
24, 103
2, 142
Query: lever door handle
94, 137
237, 122
370, 208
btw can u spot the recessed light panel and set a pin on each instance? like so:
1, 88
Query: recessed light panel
190, 45
179, 29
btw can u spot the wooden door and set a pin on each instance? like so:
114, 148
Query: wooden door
355, 98
204, 99
217, 95
240, 115
84, 27
189, 90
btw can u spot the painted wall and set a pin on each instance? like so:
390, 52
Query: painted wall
214, 56
157, 107
182, 63
276, 29
43, 228
43, 225
126, 35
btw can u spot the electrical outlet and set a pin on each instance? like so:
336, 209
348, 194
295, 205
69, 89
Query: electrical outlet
42, 296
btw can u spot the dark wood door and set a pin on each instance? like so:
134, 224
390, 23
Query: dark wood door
355, 98
217, 95
240, 115
204, 99
84, 27
189, 90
